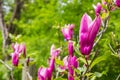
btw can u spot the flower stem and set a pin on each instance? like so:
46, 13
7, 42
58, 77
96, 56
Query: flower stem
88, 65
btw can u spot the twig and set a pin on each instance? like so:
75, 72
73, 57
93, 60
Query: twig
6, 65
100, 34
29, 76
9, 68
118, 77
16, 13
112, 48
88, 66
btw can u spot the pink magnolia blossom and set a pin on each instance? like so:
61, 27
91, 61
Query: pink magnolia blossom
44, 74
68, 31
18, 50
54, 52
15, 59
97, 8
88, 32
52, 64
70, 48
72, 63
117, 3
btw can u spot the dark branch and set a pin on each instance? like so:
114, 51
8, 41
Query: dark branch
16, 14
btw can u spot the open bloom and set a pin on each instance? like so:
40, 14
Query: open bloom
70, 48
97, 8
18, 50
88, 32
117, 3
68, 31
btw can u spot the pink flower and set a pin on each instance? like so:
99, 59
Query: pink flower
97, 8
72, 63
68, 31
88, 32
15, 59
18, 50
52, 64
54, 52
117, 3
44, 74
70, 48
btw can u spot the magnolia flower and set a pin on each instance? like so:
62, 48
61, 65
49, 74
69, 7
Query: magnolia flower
117, 3
15, 59
54, 52
18, 50
65, 66
52, 64
72, 63
70, 48
68, 31
97, 8
44, 74
88, 32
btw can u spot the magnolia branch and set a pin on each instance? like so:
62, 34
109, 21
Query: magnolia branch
6, 65
112, 48
100, 34
16, 12
3, 27
118, 77
88, 65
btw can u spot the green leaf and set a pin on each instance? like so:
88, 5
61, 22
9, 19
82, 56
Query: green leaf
82, 59
93, 78
97, 60
59, 62
97, 74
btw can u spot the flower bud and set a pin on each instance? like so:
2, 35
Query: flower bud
68, 31
88, 32
117, 3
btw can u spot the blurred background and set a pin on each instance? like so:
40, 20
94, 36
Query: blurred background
38, 23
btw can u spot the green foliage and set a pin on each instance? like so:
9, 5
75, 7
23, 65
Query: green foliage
40, 26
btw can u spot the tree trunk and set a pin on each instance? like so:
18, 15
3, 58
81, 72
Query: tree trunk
3, 29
